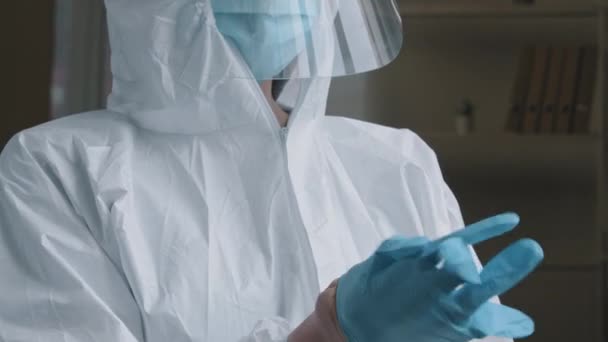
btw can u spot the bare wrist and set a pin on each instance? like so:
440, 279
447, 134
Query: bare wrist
322, 324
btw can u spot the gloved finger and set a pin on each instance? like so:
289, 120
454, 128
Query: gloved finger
399, 247
485, 229
454, 264
493, 319
503, 272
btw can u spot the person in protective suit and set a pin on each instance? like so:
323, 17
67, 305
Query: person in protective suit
199, 206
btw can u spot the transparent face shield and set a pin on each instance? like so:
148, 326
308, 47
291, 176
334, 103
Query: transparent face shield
295, 39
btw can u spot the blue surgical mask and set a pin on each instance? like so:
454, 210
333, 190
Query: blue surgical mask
267, 43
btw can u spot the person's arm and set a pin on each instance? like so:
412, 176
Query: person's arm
322, 325
57, 284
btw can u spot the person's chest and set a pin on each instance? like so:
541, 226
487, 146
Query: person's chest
242, 227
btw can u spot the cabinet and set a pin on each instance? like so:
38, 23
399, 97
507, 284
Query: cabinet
556, 183
456, 49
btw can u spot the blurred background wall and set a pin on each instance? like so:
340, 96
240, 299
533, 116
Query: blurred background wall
454, 85
27, 57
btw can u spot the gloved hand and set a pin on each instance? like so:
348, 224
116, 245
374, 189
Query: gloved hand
428, 291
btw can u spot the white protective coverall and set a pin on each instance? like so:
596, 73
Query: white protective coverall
184, 212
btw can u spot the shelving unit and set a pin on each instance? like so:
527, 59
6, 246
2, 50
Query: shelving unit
506, 155
559, 184
498, 9
504, 28
469, 49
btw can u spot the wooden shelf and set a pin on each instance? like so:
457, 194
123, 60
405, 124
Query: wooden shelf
507, 11
484, 29
547, 157
500, 22
499, 8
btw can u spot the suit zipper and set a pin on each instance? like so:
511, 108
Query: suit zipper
302, 234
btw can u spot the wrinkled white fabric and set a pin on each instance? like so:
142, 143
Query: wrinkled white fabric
183, 213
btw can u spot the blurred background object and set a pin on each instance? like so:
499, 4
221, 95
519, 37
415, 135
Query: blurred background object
81, 74
531, 77
29, 46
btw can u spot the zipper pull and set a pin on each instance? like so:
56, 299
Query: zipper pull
284, 131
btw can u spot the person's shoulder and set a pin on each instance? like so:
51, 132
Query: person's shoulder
88, 127
403, 144
62, 138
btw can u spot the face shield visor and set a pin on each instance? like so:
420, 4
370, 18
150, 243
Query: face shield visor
295, 39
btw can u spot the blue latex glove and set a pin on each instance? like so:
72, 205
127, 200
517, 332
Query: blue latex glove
429, 291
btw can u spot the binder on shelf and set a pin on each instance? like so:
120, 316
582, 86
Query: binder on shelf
538, 80
572, 60
585, 89
520, 90
551, 94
